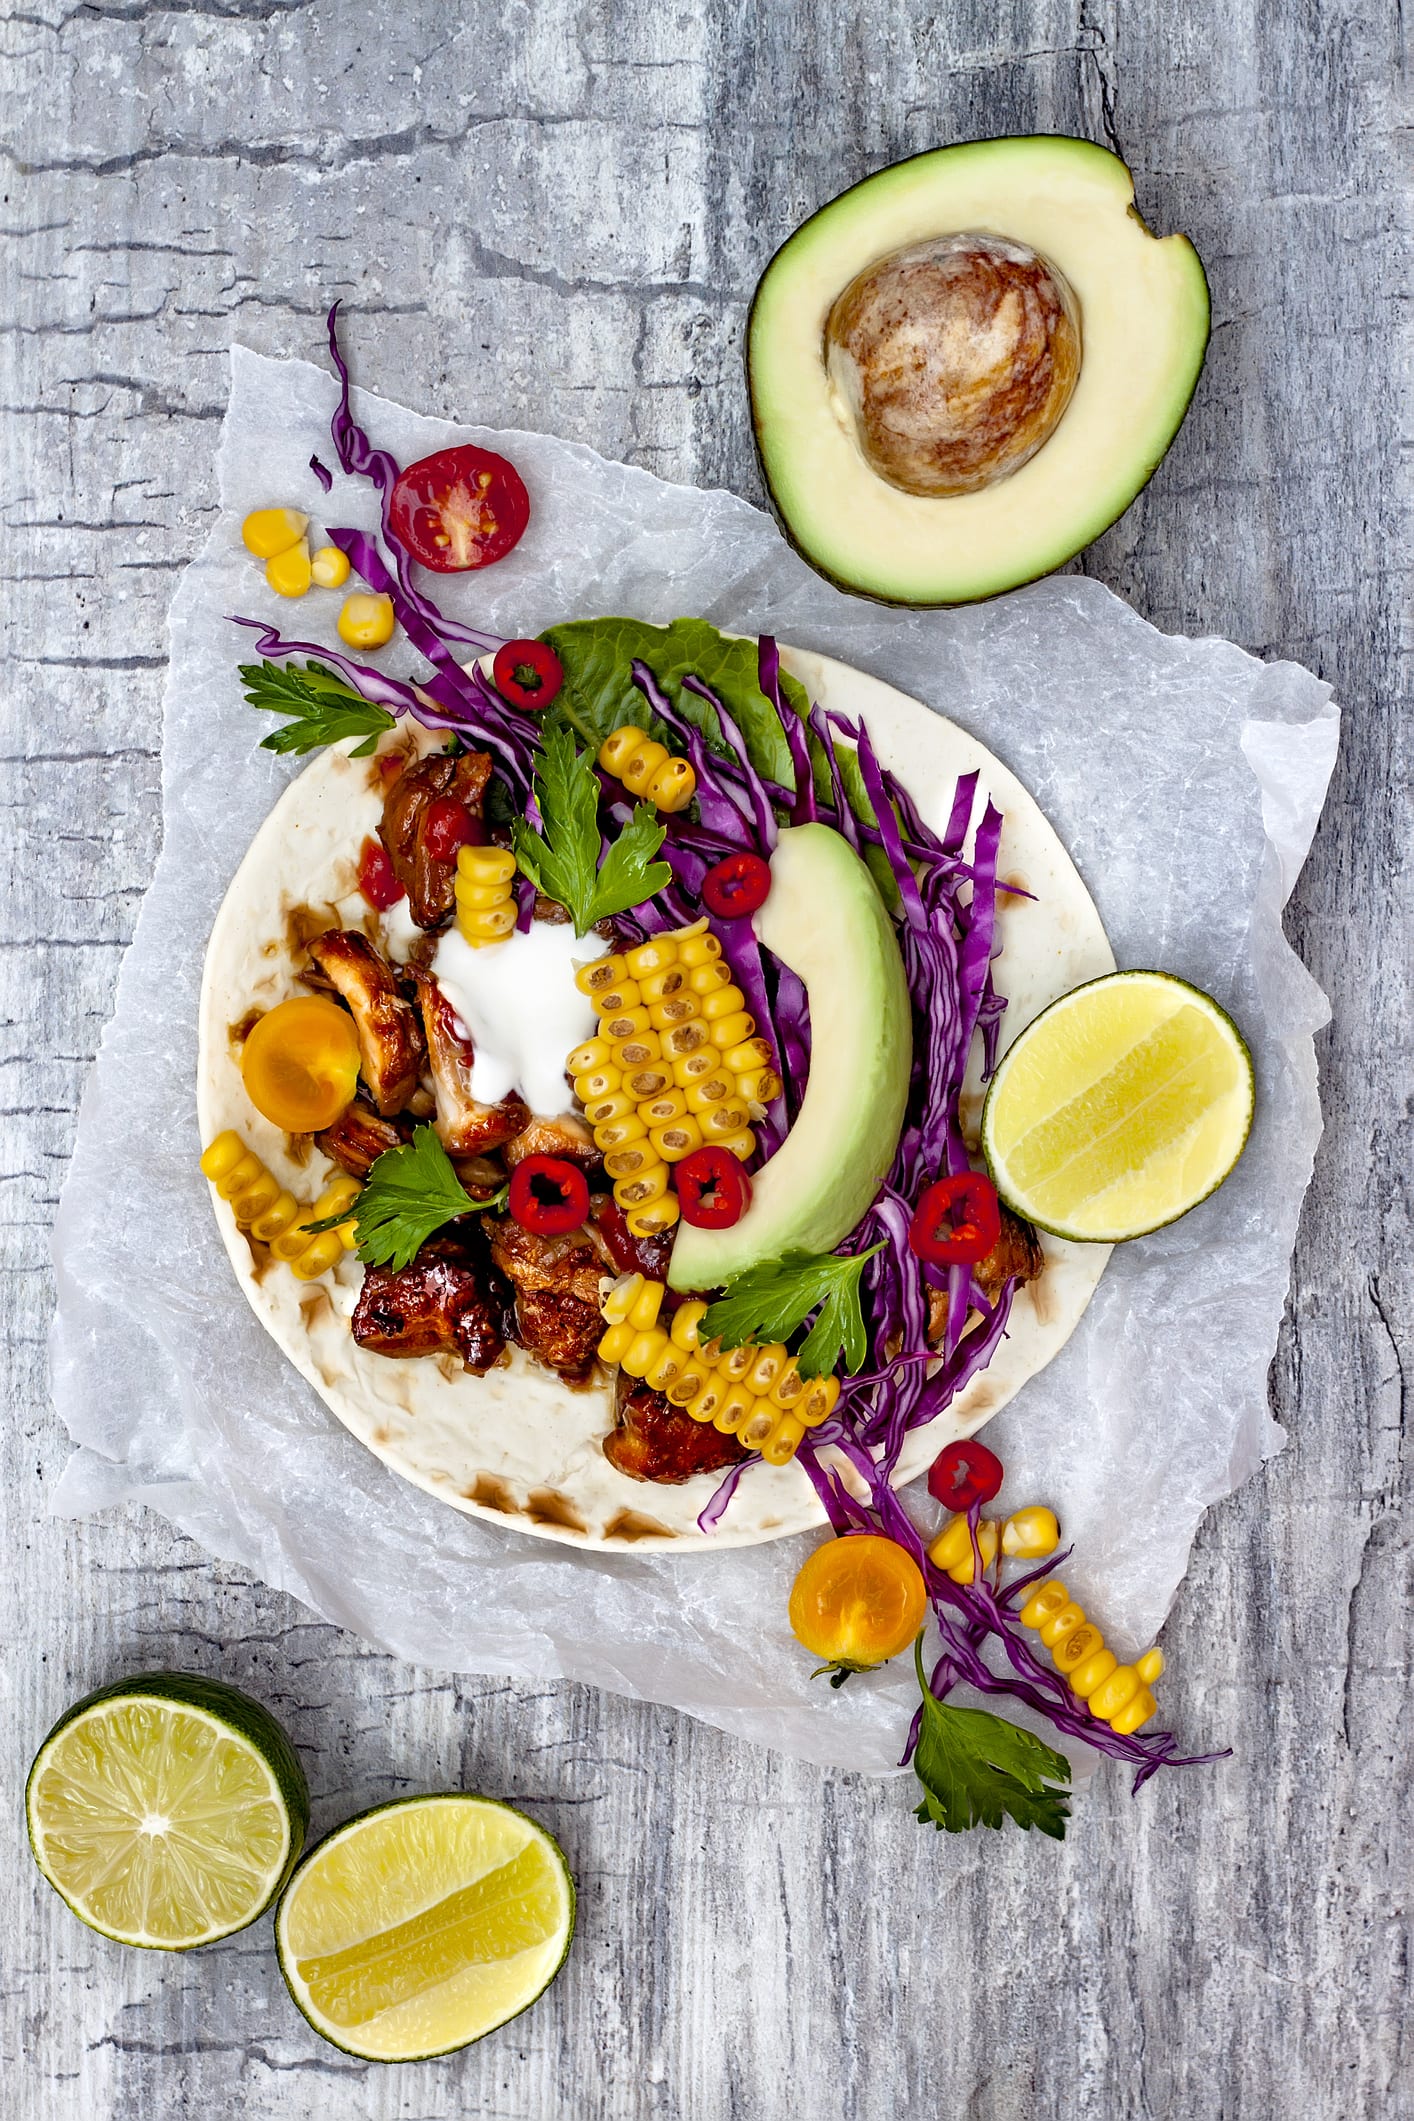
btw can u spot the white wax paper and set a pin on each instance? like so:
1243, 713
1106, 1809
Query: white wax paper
1186, 779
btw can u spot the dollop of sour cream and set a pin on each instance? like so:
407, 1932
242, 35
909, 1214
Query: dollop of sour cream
519, 1005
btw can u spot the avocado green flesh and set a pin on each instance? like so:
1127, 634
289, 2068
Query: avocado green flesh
824, 918
1144, 329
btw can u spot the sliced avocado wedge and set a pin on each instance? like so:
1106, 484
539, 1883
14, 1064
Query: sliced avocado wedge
845, 377
824, 918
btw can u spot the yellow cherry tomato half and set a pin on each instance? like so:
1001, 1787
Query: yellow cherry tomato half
858, 1601
300, 1064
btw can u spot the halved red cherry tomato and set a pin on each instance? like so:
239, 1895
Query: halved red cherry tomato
376, 878
548, 1195
964, 1473
957, 1221
460, 508
528, 673
713, 1189
448, 826
736, 886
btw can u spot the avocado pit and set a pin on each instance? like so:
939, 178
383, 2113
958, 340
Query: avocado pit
953, 361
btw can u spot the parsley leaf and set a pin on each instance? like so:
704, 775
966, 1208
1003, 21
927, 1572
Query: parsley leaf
977, 1770
411, 1192
563, 860
323, 706
770, 1301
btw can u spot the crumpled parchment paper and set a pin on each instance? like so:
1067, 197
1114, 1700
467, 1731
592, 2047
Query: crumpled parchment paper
1186, 779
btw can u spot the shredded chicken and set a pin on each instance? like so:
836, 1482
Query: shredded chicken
556, 1282
359, 1137
567, 1137
1016, 1256
450, 1297
465, 1125
429, 884
390, 1043
655, 1441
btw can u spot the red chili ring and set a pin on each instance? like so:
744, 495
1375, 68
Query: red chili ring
957, 1221
963, 1474
528, 674
549, 1196
736, 886
713, 1189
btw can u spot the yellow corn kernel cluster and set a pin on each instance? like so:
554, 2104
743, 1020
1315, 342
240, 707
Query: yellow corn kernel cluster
271, 1213
366, 621
277, 536
755, 1393
486, 911
1029, 1534
648, 769
1118, 1694
677, 1063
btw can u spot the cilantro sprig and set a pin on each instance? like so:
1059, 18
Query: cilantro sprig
977, 1770
411, 1192
323, 707
768, 1303
563, 860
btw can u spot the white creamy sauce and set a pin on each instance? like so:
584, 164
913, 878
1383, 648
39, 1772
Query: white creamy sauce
519, 1005
400, 931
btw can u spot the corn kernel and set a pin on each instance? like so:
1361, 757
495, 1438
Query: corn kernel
615, 1343
818, 1400
759, 1424
616, 750
727, 1001
485, 865
617, 1133
1135, 1714
1098, 1666
1062, 1623
684, 1038
735, 1406
655, 955
366, 622
685, 1322
759, 1087
619, 999
677, 1139
599, 1082
708, 1090
706, 979
276, 1219
641, 1051
329, 568
1077, 1644
222, 1155
789, 1388
670, 1365
490, 924
771, 1359
643, 1311
698, 946
596, 1053
751, 1053
735, 1362
708, 1400
622, 1298
658, 1217
672, 786
722, 1119
1112, 1694
662, 985
740, 1145
678, 1009
1031, 1533
643, 1351
626, 1024
637, 1190
731, 1031
780, 1446
632, 1160
690, 1068
600, 975
268, 531
639, 769
690, 1380
648, 1085
288, 572
1150, 1666
614, 1104
955, 1541
320, 1252
656, 1110
1044, 1603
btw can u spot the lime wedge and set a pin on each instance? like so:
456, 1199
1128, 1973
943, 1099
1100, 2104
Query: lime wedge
1121, 1107
167, 1810
424, 1924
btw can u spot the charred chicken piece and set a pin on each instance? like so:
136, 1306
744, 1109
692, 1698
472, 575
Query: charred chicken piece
1016, 1256
567, 1137
429, 884
450, 1297
556, 1283
359, 1137
465, 1125
390, 1042
654, 1441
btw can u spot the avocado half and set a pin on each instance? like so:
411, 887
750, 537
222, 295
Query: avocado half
1144, 322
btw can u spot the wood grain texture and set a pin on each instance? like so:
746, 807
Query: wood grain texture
552, 214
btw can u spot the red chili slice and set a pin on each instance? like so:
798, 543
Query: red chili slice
528, 674
963, 1474
957, 1221
449, 825
549, 1195
376, 878
713, 1189
736, 886
459, 508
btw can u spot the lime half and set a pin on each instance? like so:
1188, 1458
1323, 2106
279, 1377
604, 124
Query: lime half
167, 1810
425, 1924
1120, 1108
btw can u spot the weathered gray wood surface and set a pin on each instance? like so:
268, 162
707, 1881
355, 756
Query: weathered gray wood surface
552, 215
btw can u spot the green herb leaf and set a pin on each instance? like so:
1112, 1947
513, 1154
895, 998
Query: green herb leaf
411, 1192
599, 694
770, 1301
324, 708
563, 860
977, 1770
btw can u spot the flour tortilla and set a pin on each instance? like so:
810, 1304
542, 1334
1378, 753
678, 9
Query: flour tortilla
518, 1445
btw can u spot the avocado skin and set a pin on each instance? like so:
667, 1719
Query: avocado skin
874, 596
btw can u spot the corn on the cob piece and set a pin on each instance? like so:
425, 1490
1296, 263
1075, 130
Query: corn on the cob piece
1118, 1694
486, 911
648, 769
270, 1212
